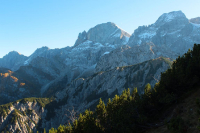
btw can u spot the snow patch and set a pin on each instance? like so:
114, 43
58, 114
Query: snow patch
27, 61
83, 46
139, 42
147, 35
106, 53
114, 33
168, 17
175, 32
117, 35
88, 45
98, 45
119, 27
110, 45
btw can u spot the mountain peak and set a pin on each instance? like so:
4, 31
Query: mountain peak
13, 60
105, 26
14, 53
42, 49
168, 17
107, 33
81, 38
104, 33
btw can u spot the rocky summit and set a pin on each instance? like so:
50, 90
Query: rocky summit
103, 62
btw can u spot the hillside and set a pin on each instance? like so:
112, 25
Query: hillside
131, 112
55, 112
14, 86
188, 109
23, 115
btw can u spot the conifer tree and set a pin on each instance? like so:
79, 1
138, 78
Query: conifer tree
101, 112
147, 89
60, 129
44, 130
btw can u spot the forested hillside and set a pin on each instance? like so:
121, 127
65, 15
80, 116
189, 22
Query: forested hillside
131, 112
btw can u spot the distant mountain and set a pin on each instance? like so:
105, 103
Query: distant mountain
172, 30
195, 20
170, 36
13, 60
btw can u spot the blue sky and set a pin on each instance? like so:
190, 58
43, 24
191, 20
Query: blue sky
26, 25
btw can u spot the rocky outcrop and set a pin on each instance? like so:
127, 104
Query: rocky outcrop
22, 116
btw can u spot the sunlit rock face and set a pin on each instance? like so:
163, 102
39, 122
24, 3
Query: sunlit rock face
21, 117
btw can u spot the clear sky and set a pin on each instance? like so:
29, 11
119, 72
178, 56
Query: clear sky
26, 25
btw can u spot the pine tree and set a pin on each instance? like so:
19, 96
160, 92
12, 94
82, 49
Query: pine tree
44, 130
147, 89
101, 112
60, 129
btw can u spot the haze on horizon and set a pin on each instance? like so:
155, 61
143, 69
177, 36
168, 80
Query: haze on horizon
28, 25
